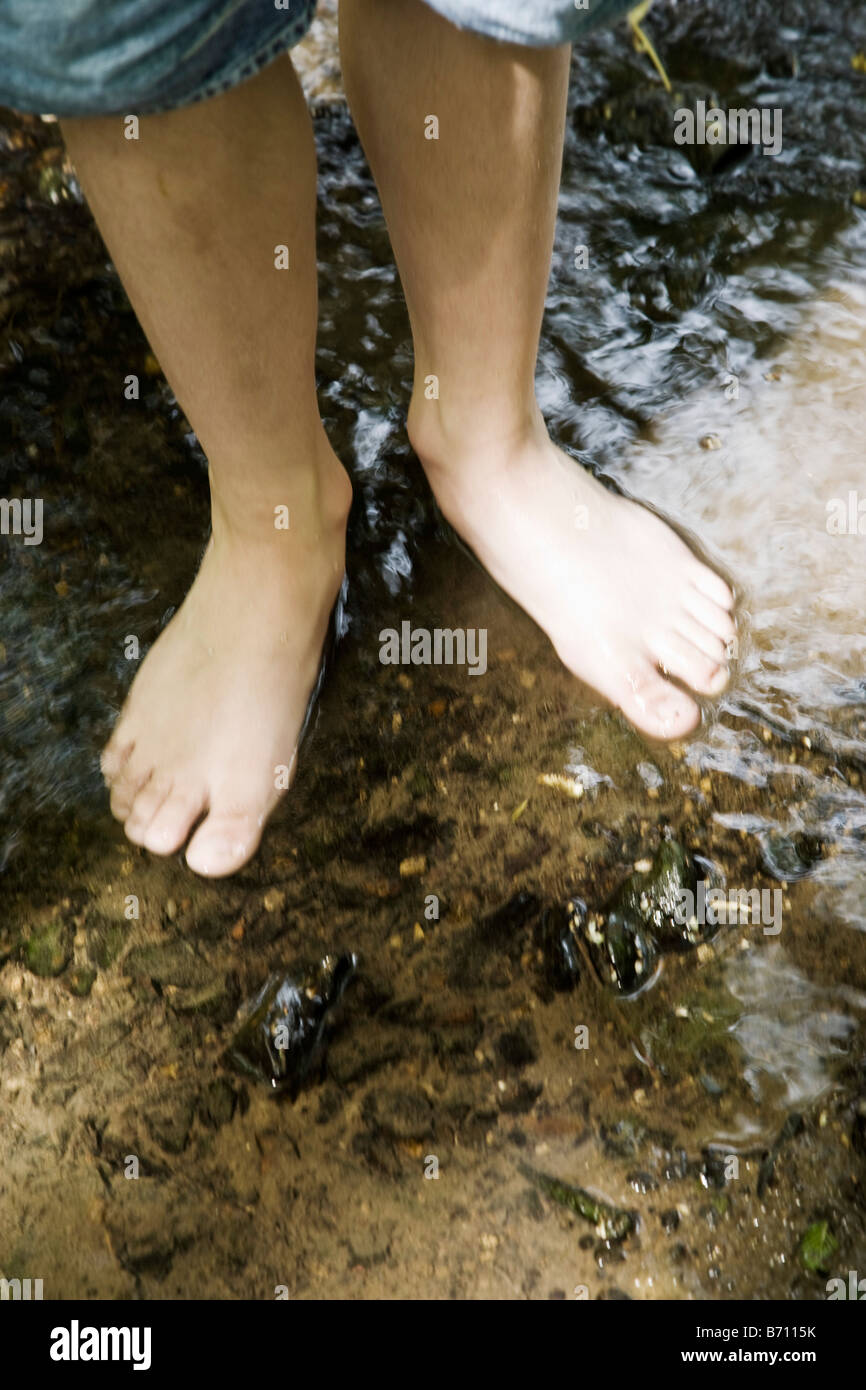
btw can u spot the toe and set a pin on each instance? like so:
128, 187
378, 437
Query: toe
709, 614
224, 841
713, 587
115, 754
654, 705
690, 665
174, 819
145, 807
701, 637
131, 780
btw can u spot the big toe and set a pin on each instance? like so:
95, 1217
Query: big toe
226, 839
655, 706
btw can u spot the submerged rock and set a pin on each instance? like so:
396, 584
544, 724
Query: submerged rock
649, 913
280, 1032
48, 950
561, 927
655, 899
622, 951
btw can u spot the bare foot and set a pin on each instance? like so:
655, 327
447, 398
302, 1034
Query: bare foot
623, 600
213, 718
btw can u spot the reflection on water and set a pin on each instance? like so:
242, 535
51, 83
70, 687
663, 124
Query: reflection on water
738, 294
789, 1031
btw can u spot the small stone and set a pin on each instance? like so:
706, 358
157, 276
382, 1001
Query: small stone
569, 786
170, 909
710, 441
418, 932
414, 865
274, 900
48, 950
527, 679
80, 982
395, 942
396, 722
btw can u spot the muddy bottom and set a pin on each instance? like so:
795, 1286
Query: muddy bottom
440, 819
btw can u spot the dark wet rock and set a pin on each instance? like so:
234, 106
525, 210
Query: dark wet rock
623, 952
612, 1223
615, 1295
647, 914
400, 1112
670, 1220
280, 1033
48, 949
518, 1047
644, 115
655, 899
560, 929
858, 1129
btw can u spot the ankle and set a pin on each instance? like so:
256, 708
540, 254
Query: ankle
312, 501
449, 440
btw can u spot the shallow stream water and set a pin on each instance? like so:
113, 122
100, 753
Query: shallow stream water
711, 361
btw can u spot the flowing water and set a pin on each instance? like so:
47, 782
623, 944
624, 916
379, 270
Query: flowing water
710, 360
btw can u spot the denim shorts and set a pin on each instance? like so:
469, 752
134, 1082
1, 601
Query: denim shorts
106, 57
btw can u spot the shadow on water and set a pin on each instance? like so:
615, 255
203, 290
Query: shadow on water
711, 359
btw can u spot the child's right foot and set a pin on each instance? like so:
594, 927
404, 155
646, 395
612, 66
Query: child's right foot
216, 711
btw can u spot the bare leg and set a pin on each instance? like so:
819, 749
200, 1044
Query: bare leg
192, 213
471, 217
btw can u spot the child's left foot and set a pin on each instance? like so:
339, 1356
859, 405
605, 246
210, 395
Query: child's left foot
624, 601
